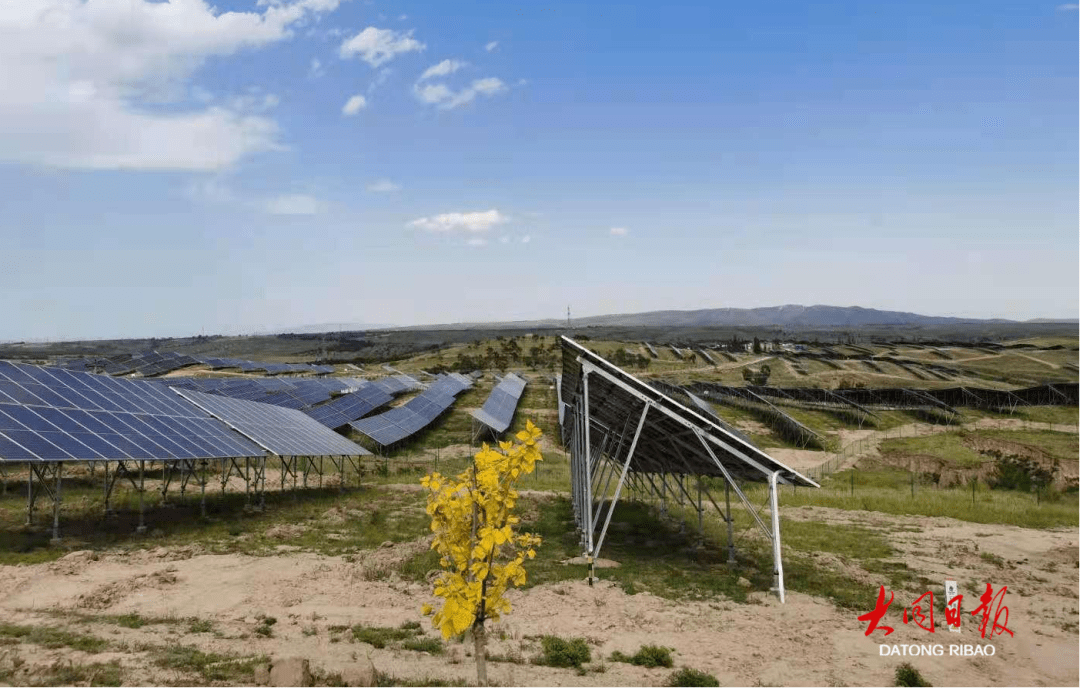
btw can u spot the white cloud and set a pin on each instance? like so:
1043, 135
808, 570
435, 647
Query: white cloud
491, 46
476, 242
293, 204
379, 79
383, 186
445, 99
354, 105
379, 46
504, 240
80, 79
619, 231
480, 221
216, 189
212, 189
316, 69
254, 102
442, 69
1068, 8
526, 239
433, 93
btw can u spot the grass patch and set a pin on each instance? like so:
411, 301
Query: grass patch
383, 636
384, 679
692, 677
563, 652
52, 637
647, 656
948, 446
61, 673
430, 645
200, 626
324, 521
889, 491
207, 665
907, 675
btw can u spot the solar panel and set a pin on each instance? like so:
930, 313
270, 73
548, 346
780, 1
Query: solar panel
285, 432
416, 414
349, 407
52, 414
498, 411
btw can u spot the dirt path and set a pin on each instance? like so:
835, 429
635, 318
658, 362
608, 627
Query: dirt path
1055, 366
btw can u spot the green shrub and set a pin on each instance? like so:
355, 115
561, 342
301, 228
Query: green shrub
692, 677
430, 645
907, 675
559, 652
1020, 473
647, 656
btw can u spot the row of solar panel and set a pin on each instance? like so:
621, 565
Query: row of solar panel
282, 431
349, 407
52, 414
156, 363
294, 393
498, 411
401, 422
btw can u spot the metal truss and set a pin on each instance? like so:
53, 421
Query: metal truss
626, 437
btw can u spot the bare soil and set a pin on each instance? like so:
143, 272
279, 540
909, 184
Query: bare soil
807, 641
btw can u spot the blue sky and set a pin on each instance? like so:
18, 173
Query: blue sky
176, 168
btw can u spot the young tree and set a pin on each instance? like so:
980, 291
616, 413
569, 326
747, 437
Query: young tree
480, 554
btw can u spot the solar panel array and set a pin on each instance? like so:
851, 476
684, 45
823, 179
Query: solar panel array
150, 363
416, 414
52, 414
283, 431
294, 393
217, 363
498, 411
351, 406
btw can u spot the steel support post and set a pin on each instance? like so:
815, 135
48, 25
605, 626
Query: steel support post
700, 511
587, 502
30, 496
56, 503
202, 490
618, 487
730, 524
778, 564
262, 493
142, 485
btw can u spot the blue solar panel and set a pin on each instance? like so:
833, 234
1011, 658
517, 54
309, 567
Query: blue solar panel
285, 432
498, 411
51, 414
401, 422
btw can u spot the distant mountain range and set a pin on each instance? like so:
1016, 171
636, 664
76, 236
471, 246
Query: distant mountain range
790, 316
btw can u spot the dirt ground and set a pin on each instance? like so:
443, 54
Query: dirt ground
807, 641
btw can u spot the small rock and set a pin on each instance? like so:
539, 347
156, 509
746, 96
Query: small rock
361, 674
291, 671
261, 676
386, 544
743, 583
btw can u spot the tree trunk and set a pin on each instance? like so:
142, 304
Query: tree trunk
480, 652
